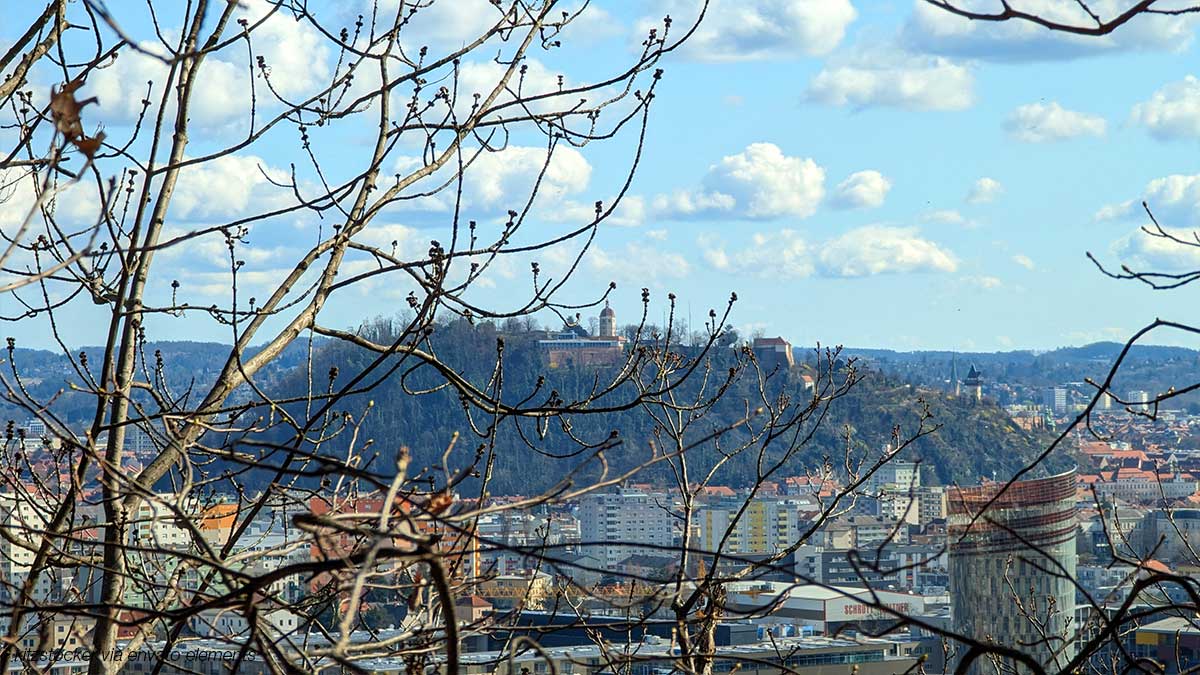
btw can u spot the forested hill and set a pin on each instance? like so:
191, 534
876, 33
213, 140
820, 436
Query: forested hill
974, 439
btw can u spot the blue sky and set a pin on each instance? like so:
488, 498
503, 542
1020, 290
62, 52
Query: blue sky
870, 173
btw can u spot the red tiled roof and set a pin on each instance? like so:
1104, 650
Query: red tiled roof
473, 601
1155, 566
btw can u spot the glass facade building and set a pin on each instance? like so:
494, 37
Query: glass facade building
1011, 560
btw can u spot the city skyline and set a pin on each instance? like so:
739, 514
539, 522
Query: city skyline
357, 336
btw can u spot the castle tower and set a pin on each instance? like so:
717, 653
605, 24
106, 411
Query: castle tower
608, 322
974, 383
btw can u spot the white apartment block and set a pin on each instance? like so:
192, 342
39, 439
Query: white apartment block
895, 474
625, 523
24, 518
158, 526
916, 506
23, 522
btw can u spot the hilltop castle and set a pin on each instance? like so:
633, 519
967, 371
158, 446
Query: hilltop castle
574, 346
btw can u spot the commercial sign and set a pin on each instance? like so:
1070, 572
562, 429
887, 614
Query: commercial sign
850, 609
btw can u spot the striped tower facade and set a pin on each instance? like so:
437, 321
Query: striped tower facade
1011, 568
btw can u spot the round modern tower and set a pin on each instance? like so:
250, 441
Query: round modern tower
1012, 559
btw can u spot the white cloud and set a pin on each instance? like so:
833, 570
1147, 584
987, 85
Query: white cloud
220, 284
862, 189
717, 257
1024, 261
984, 190
1173, 199
438, 25
935, 30
943, 217
1115, 211
476, 77
772, 255
657, 234
758, 183
768, 184
592, 25
295, 53
752, 30
1041, 123
74, 207
1173, 111
1175, 196
409, 243
210, 250
630, 212
506, 177
384, 235
865, 251
877, 249
204, 195
227, 186
682, 203
894, 80
1145, 252
445, 26
122, 85
76, 204
496, 181
986, 283
635, 263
